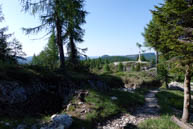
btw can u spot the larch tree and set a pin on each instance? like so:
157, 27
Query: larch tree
175, 18
75, 19
52, 15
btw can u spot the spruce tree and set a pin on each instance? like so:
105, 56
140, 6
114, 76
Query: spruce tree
120, 67
106, 68
175, 41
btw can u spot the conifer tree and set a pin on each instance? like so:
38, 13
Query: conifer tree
175, 41
10, 49
106, 68
49, 56
75, 19
120, 67
52, 14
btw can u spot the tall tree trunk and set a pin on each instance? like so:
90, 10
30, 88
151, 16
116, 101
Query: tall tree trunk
157, 61
157, 57
59, 42
73, 51
187, 95
166, 81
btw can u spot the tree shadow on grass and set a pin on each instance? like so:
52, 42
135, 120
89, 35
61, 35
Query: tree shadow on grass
169, 100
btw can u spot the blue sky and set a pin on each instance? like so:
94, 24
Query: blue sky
113, 26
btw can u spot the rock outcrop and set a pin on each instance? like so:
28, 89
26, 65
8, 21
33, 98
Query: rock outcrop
58, 122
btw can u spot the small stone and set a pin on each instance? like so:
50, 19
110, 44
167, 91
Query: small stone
21, 126
114, 98
68, 107
7, 124
53, 116
83, 111
80, 103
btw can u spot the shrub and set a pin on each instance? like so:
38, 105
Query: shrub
106, 68
120, 67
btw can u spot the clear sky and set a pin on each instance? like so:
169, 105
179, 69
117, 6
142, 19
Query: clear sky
113, 26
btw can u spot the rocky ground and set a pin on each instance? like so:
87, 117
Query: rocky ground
129, 121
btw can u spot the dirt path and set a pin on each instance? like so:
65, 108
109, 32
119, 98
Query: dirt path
130, 121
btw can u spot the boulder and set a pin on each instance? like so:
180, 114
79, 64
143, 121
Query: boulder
176, 86
59, 122
21, 126
12, 92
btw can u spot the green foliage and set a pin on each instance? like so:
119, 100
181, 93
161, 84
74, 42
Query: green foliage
164, 122
133, 68
64, 16
13, 72
141, 79
171, 32
116, 58
10, 51
52, 52
138, 45
153, 62
168, 31
163, 72
95, 63
74, 33
106, 68
49, 56
138, 67
170, 99
120, 67
103, 107
100, 62
142, 58
52, 14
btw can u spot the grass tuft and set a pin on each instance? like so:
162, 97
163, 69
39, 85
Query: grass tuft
164, 122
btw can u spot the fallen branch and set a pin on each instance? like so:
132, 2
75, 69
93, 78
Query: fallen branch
181, 124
